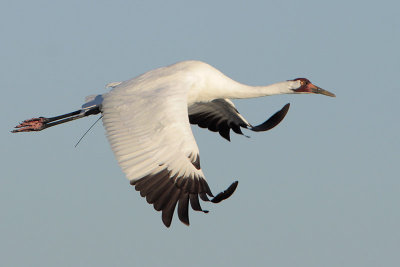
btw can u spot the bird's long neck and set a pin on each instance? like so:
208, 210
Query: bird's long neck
221, 86
209, 83
213, 84
237, 90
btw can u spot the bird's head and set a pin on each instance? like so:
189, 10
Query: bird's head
306, 87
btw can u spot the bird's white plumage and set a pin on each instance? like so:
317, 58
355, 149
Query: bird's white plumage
147, 125
149, 132
147, 121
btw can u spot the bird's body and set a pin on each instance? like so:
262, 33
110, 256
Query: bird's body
147, 121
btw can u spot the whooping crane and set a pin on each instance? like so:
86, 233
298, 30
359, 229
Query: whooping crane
147, 121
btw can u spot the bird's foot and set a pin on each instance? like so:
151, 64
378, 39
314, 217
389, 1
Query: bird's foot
34, 124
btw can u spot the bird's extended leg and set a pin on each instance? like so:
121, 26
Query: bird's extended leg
41, 123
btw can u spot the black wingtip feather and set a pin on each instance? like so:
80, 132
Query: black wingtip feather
273, 121
225, 194
183, 208
236, 128
168, 211
225, 132
195, 204
167, 192
164, 197
204, 197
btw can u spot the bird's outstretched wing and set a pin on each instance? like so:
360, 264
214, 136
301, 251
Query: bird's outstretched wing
221, 115
150, 135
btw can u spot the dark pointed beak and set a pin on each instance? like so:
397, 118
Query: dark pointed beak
319, 90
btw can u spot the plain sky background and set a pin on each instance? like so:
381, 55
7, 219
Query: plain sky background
321, 189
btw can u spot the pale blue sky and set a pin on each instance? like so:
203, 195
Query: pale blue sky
321, 189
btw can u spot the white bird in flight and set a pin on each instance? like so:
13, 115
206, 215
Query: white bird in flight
147, 121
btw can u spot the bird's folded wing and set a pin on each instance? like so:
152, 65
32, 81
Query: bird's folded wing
221, 115
151, 138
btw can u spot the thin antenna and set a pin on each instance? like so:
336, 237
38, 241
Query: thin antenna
88, 130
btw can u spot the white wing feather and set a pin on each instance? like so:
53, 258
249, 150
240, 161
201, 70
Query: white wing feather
148, 128
148, 131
